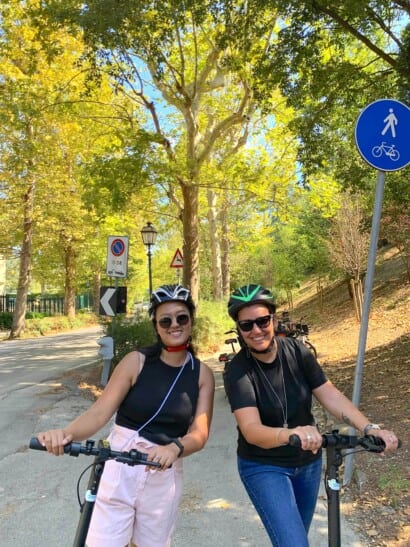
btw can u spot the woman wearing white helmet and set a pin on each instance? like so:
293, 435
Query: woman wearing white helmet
162, 398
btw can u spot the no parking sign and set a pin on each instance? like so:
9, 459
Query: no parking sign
117, 256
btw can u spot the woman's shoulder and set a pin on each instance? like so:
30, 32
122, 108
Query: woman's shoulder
130, 358
242, 358
131, 365
205, 373
288, 345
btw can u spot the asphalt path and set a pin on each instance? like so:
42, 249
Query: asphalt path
38, 500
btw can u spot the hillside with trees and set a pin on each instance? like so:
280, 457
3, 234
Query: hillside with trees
228, 125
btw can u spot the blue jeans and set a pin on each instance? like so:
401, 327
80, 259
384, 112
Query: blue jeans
284, 497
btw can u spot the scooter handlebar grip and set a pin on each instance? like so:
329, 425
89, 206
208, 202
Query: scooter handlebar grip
73, 449
36, 445
294, 440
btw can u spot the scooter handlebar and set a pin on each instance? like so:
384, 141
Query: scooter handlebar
133, 457
339, 441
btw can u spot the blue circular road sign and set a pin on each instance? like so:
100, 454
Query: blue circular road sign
383, 134
117, 247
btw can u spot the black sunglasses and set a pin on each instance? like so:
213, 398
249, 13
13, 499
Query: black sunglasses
262, 322
181, 319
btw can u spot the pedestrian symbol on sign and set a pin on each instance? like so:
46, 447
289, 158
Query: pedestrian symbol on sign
392, 121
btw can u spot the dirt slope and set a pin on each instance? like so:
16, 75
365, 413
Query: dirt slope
378, 500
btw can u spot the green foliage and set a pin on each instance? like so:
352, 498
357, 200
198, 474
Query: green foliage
393, 481
94, 147
129, 333
6, 320
211, 322
35, 315
40, 325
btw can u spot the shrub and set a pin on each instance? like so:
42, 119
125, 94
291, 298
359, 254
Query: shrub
128, 334
211, 323
6, 320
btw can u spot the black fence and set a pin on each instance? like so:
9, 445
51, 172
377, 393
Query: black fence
50, 305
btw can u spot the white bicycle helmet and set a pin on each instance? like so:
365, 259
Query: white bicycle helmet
170, 293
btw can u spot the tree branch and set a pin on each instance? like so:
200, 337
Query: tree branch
354, 32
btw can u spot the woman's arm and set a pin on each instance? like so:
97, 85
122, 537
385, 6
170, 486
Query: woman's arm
249, 422
344, 410
198, 431
93, 419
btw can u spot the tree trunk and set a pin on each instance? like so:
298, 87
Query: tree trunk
19, 314
357, 291
70, 276
215, 247
319, 290
191, 239
289, 298
96, 290
225, 254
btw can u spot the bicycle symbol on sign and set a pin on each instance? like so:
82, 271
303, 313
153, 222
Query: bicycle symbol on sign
389, 150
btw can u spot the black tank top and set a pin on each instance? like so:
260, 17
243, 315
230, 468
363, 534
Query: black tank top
146, 395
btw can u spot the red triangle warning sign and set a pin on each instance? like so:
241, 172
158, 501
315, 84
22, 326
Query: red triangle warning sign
178, 260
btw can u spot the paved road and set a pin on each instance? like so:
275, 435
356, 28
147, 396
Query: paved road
38, 503
28, 369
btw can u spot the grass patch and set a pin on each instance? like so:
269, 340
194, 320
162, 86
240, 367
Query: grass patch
393, 482
41, 326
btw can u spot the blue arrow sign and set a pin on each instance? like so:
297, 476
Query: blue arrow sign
383, 134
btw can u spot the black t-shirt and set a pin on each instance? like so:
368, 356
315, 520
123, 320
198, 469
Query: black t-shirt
147, 394
247, 387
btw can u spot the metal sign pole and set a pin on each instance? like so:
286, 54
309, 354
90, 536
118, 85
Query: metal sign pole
382, 138
366, 308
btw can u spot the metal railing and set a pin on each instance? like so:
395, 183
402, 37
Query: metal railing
50, 305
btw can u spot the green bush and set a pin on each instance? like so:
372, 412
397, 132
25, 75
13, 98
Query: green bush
36, 315
41, 325
6, 320
128, 334
211, 324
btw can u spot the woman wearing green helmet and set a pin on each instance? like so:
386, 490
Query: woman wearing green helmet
270, 384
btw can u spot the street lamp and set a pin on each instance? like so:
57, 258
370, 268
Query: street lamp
149, 236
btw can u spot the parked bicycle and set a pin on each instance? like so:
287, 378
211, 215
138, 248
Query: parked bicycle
227, 357
101, 453
335, 443
298, 330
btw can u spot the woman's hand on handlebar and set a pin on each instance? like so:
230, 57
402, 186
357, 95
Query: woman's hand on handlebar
54, 440
389, 438
309, 436
165, 455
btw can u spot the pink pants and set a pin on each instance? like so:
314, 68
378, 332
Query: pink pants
133, 503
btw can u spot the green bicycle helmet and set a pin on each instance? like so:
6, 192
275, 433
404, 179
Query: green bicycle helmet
249, 295
170, 293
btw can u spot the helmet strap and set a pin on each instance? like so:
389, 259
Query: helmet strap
267, 350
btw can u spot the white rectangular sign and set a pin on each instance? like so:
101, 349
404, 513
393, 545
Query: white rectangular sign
117, 256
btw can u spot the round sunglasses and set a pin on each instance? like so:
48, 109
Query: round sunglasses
182, 319
262, 322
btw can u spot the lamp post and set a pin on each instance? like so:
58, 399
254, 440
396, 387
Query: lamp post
149, 236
